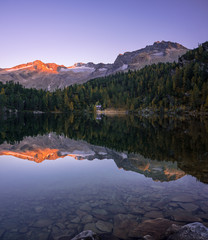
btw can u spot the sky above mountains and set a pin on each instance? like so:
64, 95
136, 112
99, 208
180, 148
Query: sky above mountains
65, 31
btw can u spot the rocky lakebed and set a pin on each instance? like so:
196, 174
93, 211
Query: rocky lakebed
121, 212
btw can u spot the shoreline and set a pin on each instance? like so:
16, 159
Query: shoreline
113, 112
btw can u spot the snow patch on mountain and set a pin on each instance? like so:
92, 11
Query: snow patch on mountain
16, 69
102, 69
64, 70
82, 69
123, 67
158, 54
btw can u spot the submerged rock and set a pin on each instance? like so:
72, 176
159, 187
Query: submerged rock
85, 207
154, 214
87, 219
148, 237
172, 229
60, 225
189, 206
75, 220
100, 211
181, 215
156, 228
122, 225
86, 235
104, 226
92, 227
44, 222
191, 231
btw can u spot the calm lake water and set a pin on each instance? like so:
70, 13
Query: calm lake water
60, 175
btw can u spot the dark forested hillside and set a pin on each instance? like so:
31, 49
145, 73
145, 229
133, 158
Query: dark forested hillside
165, 86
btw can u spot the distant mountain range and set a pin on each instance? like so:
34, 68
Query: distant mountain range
51, 76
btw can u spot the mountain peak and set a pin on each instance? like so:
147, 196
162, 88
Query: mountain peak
47, 67
156, 42
168, 44
160, 51
37, 65
37, 62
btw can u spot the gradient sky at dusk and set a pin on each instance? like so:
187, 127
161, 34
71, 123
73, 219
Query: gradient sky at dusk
65, 31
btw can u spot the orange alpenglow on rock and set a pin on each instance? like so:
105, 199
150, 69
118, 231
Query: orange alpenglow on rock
37, 66
39, 155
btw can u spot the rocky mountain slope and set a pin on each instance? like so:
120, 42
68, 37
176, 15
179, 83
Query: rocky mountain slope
158, 52
51, 76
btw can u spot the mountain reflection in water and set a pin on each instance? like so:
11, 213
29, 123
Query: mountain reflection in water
163, 149
52, 147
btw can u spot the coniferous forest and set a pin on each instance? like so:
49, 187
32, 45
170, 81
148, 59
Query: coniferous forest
165, 86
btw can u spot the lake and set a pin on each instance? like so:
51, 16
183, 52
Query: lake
62, 174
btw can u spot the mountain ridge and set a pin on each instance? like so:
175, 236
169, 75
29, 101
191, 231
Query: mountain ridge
50, 76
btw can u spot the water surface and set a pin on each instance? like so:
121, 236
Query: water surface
60, 175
